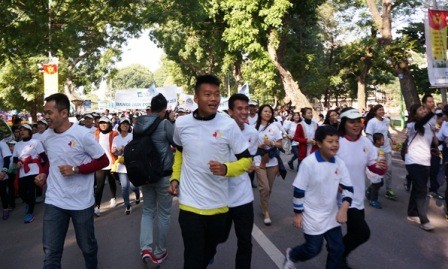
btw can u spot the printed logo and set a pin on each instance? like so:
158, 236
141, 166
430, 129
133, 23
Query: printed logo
337, 171
72, 143
217, 134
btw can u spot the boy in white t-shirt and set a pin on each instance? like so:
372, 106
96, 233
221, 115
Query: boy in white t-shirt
321, 177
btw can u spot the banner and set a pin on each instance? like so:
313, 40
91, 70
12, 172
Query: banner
245, 90
134, 98
170, 93
50, 78
436, 47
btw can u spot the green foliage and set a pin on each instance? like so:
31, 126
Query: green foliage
133, 76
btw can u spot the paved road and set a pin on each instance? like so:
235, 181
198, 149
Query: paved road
395, 243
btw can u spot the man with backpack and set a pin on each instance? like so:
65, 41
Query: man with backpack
157, 201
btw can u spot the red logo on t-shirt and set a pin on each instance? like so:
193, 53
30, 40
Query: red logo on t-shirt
72, 143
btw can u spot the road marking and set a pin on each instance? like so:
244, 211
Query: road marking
273, 252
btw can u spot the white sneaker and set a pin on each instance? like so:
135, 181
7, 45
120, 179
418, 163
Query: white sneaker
96, 211
288, 264
113, 203
427, 226
267, 221
414, 219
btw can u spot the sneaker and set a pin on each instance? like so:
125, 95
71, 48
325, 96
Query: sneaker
414, 219
5, 214
375, 204
113, 203
390, 194
436, 195
29, 218
162, 257
148, 255
288, 264
291, 165
128, 210
427, 226
96, 211
267, 221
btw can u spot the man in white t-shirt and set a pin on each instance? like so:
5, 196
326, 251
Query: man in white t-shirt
89, 123
205, 141
253, 113
74, 156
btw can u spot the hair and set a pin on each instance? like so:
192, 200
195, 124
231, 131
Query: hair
208, 78
119, 127
327, 117
158, 103
304, 110
271, 120
61, 101
341, 127
377, 137
372, 113
235, 97
324, 131
425, 98
413, 117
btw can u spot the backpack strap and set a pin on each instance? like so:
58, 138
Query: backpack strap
153, 127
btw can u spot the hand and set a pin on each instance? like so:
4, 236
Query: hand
381, 164
19, 164
217, 168
40, 179
66, 170
297, 221
251, 168
174, 188
341, 216
310, 141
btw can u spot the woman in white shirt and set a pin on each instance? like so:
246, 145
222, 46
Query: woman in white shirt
418, 162
290, 128
120, 141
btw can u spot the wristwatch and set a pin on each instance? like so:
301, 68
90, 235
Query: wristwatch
75, 169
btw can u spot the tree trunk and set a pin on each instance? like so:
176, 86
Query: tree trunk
361, 95
290, 86
367, 65
407, 85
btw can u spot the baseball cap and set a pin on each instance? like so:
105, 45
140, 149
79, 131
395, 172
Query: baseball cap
438, 112
180, 110
26, 126
43, 121
253, 103
104, 119
351, 114
12, 142
90, 116
125, 120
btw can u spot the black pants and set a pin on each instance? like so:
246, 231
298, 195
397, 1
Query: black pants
100, 178
243, 218
27, 191
417, 200
11, 191
433, 172
201, 235
358, 231
374, 189
4, 193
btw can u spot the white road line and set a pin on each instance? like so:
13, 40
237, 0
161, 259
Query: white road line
273, 252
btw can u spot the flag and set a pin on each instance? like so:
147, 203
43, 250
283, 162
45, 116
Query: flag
245, 90
50, 78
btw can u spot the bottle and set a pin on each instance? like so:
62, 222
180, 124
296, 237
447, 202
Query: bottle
381, 156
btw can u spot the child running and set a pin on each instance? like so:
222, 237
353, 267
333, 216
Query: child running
321, 176
375, 179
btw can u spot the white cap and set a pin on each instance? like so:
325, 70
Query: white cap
253, 103
26, 126
104, 119
351, 114
43, 121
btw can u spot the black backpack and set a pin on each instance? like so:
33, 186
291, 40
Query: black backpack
142, 159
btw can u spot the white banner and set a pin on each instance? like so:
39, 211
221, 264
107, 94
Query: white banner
170, 93
134, 98
245, 90
436, 47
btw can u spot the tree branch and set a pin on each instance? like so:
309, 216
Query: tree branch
375, 13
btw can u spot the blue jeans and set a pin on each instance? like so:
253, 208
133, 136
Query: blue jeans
56, 222
313, 246
295, 153
125, 185
156, 202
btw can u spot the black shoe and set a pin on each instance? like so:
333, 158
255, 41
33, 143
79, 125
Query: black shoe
291, 166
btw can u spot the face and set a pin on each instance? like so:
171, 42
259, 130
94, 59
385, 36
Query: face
296, 117
253, 110
88, 122
353, 128
380, 112
11, 147
208, 99
124, 127
329, 146
41, 127
240, 112
308, 114
430, 104
380, 141
103, 125
334, 117
24, 133
266, 114
53, 116
421, 112
17, 133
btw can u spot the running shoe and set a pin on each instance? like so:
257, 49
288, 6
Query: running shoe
288, 264
414, 219
291, 165
29, 218
147, 254
436, 195
113, 203
375, 204
427, 226
128, 210
162, 257
368, 194
390, 194
96, 211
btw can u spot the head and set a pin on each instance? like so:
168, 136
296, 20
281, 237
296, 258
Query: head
307, 113
16, 131
265, 115
439, 115
332, 117
26, 131
239, 108
417, 112
351, 124
159, 104
57, 111
42, 125
296, 117
88, 121
327, 140
207, 95
124, 126
11, 145
377, 111
428, 101
105, 124
106, 112
378, 139
253, 108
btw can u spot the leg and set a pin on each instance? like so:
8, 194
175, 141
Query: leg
335, 247
388, 175
358, 231
310, 249
214, 234
148, 215
164, 203
193, 235
85, 235
263, 187
124, 181
112, 183
100, 177
417, 200
55, 226
243, 217
11, 191
4, 194
433, 172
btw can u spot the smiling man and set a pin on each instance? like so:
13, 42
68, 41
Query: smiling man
205, 141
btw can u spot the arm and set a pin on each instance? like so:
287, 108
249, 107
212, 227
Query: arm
297, 200
419, 124
232, 169
175, 176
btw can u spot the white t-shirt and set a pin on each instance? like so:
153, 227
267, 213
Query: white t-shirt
105, 144
91, 129
380, 126
28, 150
320, 181
253, 120
240, 188
290, 127
419, 151
4, 152
202, 142
309, 131
357, 155
74, 147
119, 142
272, 133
